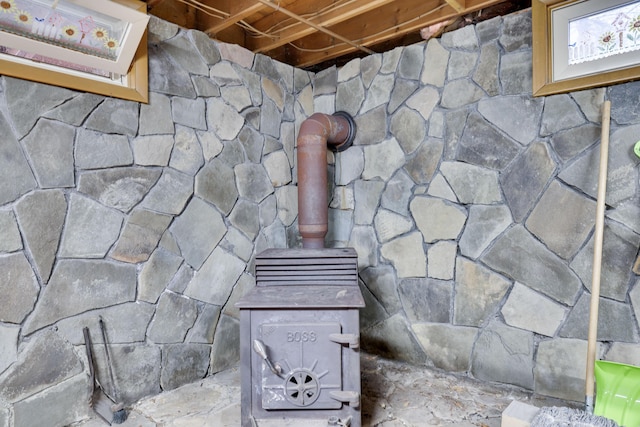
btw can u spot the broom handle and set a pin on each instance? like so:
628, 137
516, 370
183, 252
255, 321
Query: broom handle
597, 257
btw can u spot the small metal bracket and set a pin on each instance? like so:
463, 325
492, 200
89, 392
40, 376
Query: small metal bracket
353, 340
335, 421
351, 398
588, 404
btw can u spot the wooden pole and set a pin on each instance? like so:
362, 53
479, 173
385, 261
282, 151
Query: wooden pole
597, 257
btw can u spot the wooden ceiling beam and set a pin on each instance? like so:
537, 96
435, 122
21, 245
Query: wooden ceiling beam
372, 28
340, 13
238, 10
315, 26
303, 33
173, 11
458, 5
378, 26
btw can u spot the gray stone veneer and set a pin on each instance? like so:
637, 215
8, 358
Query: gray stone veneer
470, 203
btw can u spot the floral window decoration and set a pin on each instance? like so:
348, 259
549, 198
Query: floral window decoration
99, 35
609, 32
581, 44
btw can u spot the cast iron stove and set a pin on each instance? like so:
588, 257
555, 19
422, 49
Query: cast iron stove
300, 340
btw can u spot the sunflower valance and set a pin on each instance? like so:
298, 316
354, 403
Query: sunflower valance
99, 36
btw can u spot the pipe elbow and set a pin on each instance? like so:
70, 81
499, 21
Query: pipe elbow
316, 134
338, 130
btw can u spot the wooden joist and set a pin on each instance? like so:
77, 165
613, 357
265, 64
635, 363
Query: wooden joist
457, 5
238, 10
304, 33
300, 29
378, 26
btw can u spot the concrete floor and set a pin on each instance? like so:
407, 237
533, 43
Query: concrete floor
394, 394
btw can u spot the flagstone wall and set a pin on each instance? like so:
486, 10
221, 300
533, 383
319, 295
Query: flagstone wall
147, 215
472, 207
470, 203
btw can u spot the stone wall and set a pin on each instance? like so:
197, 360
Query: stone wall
471, 205
147, 215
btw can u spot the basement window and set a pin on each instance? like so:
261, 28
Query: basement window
96, 46
100, 35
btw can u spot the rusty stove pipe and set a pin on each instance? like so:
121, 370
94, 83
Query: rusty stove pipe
316, 134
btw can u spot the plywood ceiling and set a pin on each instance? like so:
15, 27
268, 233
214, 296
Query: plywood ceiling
318, 33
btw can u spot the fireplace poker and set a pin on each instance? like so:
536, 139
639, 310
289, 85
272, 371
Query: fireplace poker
99, 400
119, 413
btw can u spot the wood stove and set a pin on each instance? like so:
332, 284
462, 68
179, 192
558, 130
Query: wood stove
300, 340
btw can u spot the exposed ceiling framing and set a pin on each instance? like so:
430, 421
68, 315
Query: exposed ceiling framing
308, 33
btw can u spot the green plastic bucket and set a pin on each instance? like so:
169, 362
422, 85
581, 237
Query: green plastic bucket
618, 392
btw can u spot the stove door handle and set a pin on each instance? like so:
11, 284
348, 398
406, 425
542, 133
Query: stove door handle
352, 340
261, 349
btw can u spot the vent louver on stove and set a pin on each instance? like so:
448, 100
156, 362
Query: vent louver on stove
326, 267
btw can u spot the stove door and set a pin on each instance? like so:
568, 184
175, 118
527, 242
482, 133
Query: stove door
309, 365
